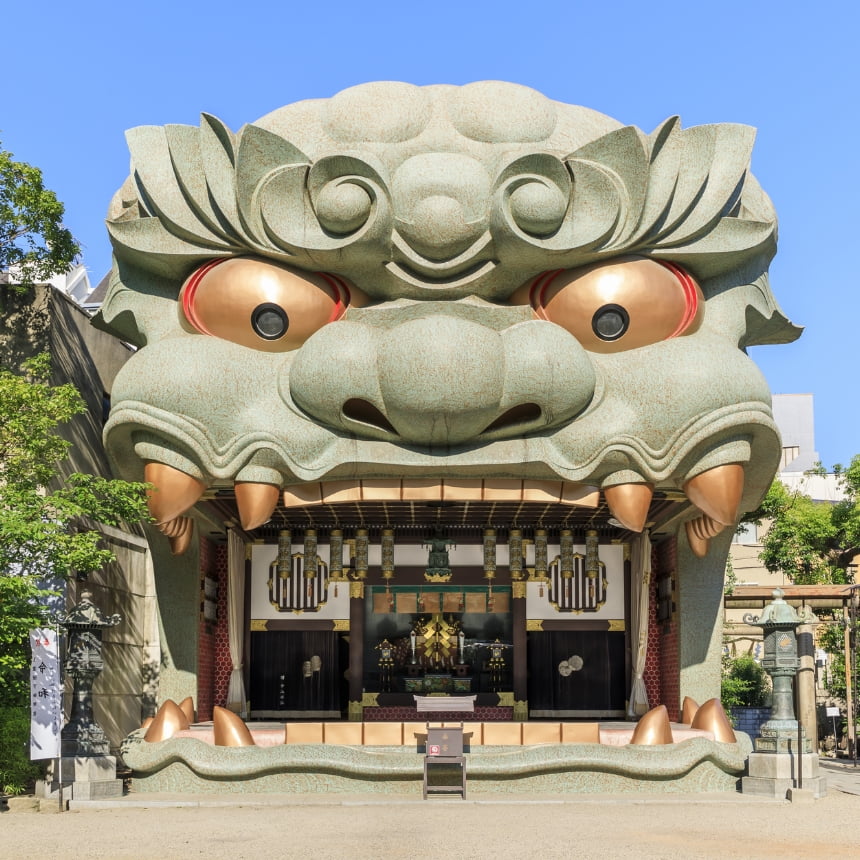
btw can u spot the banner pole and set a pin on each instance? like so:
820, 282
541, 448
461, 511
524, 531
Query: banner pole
61, 691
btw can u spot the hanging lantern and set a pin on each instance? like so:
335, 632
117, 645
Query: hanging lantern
489, 563
566, 553
310, 559
310, 562
387, 554
361, 550
335, 545
515, 550
489, 553
387, 565
540, 558
285, 547
592, 563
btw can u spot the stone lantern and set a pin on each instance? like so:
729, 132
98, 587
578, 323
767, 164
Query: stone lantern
84, 623
85, 765
779, 623
783, 763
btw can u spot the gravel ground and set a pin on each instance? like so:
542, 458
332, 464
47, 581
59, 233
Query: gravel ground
589, 826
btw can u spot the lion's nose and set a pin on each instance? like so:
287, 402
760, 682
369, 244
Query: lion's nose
441, 380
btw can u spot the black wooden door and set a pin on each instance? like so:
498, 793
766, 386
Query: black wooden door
281, 679
576, 673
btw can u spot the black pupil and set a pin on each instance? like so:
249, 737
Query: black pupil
270, 321
610, 322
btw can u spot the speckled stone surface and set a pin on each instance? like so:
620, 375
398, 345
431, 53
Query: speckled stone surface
441, 204
186, 764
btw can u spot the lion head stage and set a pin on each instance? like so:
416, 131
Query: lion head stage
444, 293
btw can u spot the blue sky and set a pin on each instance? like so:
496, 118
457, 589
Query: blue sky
78, 75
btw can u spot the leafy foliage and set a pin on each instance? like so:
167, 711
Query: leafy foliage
46, 525
16, 769
33, 241
744, 683
832, 639
42, 531
812, 542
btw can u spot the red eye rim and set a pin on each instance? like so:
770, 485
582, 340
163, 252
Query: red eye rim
538, 292
691, 296
537, 295
341, 290
190, 290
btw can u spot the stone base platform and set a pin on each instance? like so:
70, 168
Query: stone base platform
775, 774
529, 760
90, 778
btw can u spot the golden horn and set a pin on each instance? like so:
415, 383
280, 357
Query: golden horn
705, 527
255, 502
179, 532
712, 718
174, 491
653, 729
229, 729
166, 723
699, 545
172, 528
181, 541
629, 504
688, 710
718, 492
187, 708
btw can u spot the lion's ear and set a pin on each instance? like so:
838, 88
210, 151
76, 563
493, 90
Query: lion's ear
776, 328
139, 306
742, 306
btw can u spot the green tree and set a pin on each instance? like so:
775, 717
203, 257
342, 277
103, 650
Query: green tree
33, 241
832, 640
811, 542
744, 683
48, 529
47, 525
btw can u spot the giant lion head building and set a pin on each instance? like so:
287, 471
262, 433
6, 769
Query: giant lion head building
462, 371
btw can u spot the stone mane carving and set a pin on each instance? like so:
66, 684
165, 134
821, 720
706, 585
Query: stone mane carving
444, 282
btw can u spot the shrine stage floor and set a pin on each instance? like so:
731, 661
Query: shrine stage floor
477, 733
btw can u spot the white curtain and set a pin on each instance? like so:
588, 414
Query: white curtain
640, 581
236, 621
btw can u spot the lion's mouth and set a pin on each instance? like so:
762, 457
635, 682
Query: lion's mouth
462, 269
451, 280
617, 491
465, 502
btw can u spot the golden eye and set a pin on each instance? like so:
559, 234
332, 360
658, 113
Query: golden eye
260, 304
625, 304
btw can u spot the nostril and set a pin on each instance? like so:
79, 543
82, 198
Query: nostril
365, 412
525, 413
